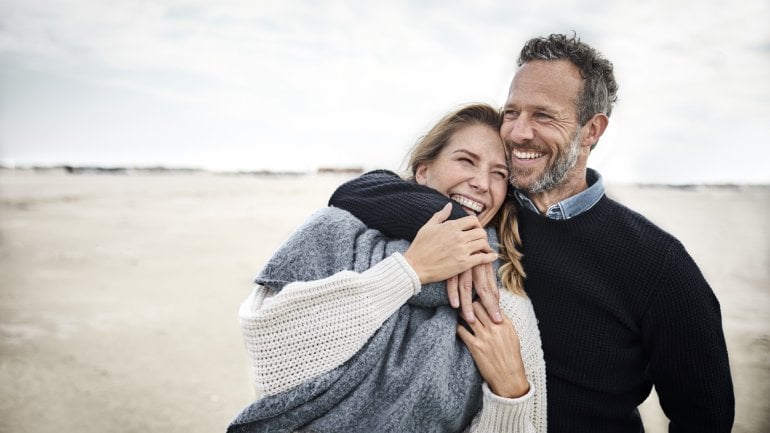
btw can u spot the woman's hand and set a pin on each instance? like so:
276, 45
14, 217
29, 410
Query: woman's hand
496, 349
443, 249
460, 292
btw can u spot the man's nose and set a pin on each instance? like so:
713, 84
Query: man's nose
520, 130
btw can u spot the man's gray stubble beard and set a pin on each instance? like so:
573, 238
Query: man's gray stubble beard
553, 175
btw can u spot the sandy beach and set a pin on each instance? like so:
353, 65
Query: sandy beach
119, 296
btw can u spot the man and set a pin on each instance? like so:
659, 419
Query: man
620, 304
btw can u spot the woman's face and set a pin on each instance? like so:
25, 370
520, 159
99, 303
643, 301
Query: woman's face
471, 170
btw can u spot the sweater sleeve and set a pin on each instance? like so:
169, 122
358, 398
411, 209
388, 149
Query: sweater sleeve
390, 204
309, 328
525, 414
682, 332
504, 415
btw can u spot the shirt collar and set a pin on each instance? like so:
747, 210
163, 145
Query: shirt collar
572, 206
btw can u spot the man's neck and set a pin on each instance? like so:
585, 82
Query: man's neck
570, 186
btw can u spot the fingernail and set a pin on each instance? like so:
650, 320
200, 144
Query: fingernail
498, 317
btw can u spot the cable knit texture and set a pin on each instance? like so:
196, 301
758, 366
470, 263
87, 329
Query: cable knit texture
368, 349
311, 327
621, 307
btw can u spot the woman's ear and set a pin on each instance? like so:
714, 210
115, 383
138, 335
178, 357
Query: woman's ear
420, 175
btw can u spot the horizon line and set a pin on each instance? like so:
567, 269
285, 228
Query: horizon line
72, 169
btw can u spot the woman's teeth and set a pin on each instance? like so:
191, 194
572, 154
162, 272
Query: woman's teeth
520, 154
468, 203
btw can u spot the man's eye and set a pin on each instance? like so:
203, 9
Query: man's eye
510, 114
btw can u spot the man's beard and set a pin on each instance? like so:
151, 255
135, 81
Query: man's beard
555, 173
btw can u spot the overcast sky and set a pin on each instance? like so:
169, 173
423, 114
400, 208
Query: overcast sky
299, 84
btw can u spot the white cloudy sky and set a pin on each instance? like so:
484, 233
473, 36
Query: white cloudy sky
298, 84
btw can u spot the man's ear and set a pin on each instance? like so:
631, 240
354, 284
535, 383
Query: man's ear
420, 175
595, 127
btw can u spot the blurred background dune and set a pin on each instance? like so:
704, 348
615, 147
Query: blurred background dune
119, 293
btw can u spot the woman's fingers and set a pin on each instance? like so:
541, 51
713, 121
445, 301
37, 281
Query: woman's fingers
481, 312
466, 296
452, 291
466, 223
469, 235
443, 249
442, 215
481, 278
465, 335
475, 259
486, 287
496, 350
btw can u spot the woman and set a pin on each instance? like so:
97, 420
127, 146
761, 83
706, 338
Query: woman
345, 333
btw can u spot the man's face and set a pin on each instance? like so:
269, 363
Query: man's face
540, 125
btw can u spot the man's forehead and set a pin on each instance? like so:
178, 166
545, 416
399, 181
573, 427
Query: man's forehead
544, 83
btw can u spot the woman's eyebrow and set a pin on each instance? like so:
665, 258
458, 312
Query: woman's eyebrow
501, 166
477, 157
467, 152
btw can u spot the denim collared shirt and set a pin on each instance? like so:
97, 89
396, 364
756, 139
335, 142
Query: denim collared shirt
572, 206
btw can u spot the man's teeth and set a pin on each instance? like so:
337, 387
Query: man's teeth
468, 203
520, 154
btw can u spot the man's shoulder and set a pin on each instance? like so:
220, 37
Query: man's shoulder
637, 226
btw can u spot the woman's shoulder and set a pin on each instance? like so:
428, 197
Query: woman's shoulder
331, 220
330, 213
335, 226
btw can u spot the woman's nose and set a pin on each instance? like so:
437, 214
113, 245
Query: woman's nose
480, 182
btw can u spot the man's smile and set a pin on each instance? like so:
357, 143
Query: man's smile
527, 154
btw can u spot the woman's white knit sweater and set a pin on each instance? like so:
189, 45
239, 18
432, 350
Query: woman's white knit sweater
309, 328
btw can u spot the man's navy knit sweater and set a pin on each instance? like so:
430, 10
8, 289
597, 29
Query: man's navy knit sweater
620, 304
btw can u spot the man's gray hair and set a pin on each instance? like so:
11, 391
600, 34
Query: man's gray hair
600, 89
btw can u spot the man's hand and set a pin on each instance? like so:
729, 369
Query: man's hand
497, 352
460, 292
444, 248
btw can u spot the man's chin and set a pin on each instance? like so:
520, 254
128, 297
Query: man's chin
524, 186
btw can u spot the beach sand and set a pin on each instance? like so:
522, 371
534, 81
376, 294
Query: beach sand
119, 293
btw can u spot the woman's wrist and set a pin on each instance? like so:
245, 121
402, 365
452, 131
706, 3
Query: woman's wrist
415, 265
514, 388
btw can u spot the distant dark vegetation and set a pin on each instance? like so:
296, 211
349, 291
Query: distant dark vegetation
88, 169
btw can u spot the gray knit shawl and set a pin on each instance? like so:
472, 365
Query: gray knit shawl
413, 375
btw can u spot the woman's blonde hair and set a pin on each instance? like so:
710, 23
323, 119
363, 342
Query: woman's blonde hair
511, 270
430, 146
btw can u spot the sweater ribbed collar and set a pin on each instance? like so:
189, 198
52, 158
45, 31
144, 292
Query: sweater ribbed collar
572, 206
